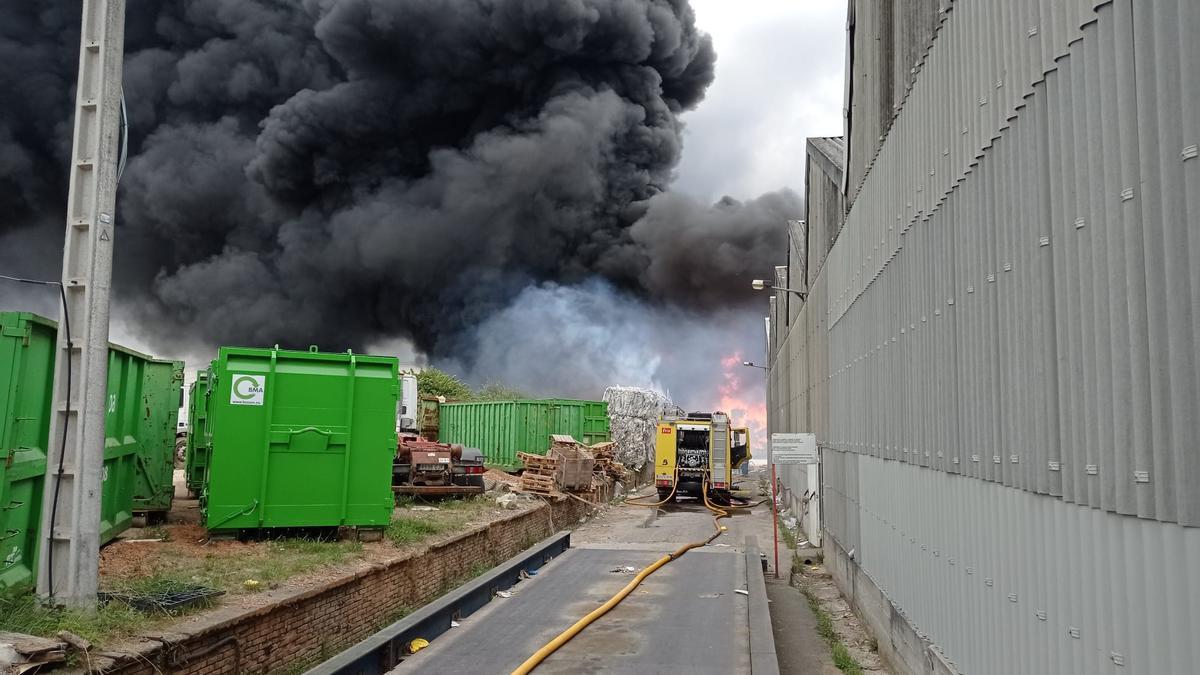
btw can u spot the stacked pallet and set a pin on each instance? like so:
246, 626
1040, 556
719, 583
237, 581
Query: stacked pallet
605, 463
539, 475
575, 462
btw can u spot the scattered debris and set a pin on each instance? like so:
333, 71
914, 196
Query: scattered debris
251, 584
741, 591
177, 597
420, 507
454, 624
843, 626
626, 569
74, 640
504, 594
23, 651
417, 644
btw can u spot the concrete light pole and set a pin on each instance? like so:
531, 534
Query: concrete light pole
70, 538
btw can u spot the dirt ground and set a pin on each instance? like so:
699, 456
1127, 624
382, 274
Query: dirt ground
850, 630
182, 551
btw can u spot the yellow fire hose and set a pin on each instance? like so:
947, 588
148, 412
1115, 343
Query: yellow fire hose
564, 637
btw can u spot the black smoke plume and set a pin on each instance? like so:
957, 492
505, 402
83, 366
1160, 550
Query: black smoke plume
342, 172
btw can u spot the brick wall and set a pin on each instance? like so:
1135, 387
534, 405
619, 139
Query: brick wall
318, 623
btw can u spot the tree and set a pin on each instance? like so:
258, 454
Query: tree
499, 392
434, 382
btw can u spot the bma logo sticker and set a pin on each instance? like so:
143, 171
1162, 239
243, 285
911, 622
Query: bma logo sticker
247, 390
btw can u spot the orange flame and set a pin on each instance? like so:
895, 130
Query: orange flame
743, 397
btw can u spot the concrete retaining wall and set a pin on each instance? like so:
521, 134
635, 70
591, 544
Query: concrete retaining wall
906, 649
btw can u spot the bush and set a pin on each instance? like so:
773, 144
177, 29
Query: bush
499, 392
434, 382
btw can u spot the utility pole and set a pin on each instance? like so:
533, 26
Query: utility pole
70, 539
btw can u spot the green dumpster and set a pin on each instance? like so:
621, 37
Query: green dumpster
300, 439
501, 429
153, 486
27, 354
196, 451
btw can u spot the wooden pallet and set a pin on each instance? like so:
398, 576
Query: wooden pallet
538, 462
532, 482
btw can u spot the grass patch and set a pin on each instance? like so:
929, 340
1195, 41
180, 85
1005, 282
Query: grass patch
788, 536
267, 563
411, 526
843, 660
841, 656
24, 614
404, 530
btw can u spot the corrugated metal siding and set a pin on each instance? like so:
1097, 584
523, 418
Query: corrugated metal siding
797, 259
888, 44
999, 353
1034, 324
823, 203
1005, 581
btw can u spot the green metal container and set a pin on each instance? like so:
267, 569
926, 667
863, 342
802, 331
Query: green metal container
153, 486
123, 431
300, 439
501, 429
196, 452
27, 354
26, 383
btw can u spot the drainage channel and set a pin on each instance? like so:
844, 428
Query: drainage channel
384, 650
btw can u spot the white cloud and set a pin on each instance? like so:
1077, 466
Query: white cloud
779, 80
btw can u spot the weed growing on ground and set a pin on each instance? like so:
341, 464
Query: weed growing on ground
404, 530
267, 563
788, 536
24, 614
841, 656
410, 527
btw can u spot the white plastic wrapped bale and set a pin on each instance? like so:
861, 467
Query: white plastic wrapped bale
633, 415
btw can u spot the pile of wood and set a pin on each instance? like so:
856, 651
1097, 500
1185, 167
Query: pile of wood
539, 475
606, 465
575, 462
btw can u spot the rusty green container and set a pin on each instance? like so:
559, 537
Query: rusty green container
300, 439
501, 429
196, 453
27, 355
161, 393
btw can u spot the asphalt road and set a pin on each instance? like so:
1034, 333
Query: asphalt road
684, 618
687, 617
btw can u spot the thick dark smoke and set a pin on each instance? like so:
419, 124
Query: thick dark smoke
344, 172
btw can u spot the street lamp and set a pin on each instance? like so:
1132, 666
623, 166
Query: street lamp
763, 284
751, 364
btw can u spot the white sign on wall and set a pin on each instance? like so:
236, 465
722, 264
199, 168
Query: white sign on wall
794, 449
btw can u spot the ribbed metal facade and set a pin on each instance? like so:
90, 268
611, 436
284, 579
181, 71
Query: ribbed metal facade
999, 355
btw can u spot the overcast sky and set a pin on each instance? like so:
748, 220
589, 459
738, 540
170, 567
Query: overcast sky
779, 80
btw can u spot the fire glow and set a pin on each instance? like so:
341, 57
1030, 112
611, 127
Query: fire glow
744, 399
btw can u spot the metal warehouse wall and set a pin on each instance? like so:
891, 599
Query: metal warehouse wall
999, 355
824, 204
888, 40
